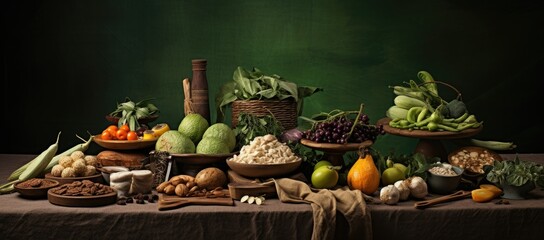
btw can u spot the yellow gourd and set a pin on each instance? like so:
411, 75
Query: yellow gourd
364, 175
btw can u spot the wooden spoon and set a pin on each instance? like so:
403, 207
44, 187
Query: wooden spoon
454, 196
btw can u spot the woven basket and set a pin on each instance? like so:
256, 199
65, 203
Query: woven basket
285, 111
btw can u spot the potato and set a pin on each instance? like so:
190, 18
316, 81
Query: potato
210, 178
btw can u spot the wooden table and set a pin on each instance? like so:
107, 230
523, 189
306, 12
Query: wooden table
464, 219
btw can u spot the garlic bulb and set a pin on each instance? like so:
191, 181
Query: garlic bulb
403, 188
389, 194
418, 187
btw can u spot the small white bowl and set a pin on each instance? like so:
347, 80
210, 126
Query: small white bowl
107, 170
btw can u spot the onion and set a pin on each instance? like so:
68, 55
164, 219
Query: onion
291, 135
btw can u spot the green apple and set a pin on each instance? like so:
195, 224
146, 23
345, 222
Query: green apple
401, 166
321, 164
324, 177
391, 175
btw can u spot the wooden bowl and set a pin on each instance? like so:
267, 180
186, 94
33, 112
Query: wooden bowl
82, 201
145, 120
476, 171
36, 192
263, 170
124, 144
94, 178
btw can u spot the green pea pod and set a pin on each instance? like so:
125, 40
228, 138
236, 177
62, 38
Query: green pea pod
450, 124
426, 77
424, 122
462, 118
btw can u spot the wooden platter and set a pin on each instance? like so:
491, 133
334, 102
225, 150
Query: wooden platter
167, 202
98, 178
124, 144
427, 134
82, 201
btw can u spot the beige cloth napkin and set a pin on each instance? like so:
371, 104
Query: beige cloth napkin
325, 203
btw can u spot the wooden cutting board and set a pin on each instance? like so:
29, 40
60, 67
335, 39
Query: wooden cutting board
167, 202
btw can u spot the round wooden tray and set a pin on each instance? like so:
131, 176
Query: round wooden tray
94, 178
82, 201
124, 144
330, 147
427, 134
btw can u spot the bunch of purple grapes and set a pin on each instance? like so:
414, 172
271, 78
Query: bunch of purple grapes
337, 131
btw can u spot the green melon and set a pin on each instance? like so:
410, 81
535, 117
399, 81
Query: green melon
223, 132
174, 142
193, 125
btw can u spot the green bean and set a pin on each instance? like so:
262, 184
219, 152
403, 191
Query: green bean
447, 128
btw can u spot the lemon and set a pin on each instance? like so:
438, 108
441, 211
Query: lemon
210, 145
193, 125
223, 132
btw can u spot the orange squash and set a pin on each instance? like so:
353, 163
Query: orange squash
364, 175
482, 195
496, 190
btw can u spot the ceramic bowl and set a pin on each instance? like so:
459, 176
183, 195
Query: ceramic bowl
36, 192
444, 184
107, 170
263, 170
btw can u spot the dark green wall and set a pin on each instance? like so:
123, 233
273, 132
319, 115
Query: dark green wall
65, 64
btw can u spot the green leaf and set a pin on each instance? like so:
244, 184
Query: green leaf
291, 88
241, 77
267, 93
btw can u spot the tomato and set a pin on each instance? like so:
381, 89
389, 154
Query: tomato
121, 134
112, 129
106, 135
132, 135
125, 128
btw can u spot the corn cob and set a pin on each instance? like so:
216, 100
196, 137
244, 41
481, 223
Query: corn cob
35, 167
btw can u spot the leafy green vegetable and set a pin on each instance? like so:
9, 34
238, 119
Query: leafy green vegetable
250, 126
515, 172
129, 112
255, 85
